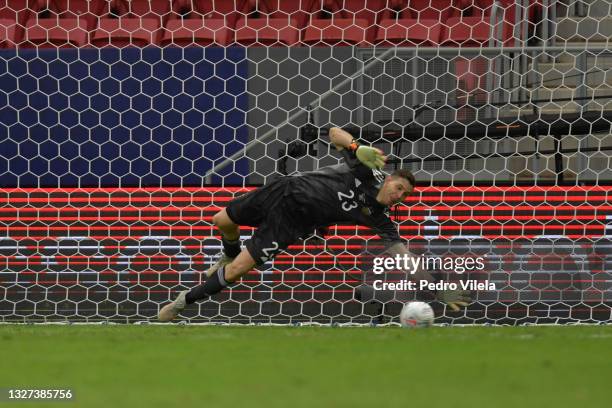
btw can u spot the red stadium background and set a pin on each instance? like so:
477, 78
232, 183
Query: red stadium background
97, 254
500, 108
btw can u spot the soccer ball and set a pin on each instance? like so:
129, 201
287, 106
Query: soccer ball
416, 314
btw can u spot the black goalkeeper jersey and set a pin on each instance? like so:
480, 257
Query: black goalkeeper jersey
343, 193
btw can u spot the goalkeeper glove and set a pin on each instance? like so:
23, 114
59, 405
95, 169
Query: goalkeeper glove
370, 156
455, 299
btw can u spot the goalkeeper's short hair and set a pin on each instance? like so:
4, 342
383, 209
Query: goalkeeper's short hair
407, 174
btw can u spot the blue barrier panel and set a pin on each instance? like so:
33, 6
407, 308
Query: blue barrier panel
121, 117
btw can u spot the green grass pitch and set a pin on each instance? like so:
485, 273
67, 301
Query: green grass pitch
217, 366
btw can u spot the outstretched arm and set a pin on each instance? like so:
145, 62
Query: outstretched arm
455, 299
400, 249
341, 139
369, 156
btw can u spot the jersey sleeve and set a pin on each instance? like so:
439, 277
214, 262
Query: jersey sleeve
385, 228
361, 171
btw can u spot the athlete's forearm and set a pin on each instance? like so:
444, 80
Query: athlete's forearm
418, 275
341, 139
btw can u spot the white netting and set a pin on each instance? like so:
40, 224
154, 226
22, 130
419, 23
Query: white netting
125, 125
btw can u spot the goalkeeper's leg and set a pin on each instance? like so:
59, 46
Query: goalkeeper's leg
279, 230
276, 234
272, 236
252, 209
217, 278
230, 238
224, 276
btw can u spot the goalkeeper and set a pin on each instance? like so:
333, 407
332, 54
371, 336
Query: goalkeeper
293, 206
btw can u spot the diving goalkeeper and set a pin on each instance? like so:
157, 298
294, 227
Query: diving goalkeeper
294, 206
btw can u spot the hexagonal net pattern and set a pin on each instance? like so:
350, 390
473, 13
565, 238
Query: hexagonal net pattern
126, 125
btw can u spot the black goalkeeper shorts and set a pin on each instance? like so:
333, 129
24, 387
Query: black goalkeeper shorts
271, 209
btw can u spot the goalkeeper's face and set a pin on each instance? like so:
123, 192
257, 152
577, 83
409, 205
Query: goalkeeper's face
394, 191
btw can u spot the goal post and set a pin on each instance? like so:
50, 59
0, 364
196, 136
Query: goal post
125, 126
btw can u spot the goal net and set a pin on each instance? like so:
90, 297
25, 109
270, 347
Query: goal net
126, 125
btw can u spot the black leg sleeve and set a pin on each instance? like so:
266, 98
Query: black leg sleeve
231, 248
215, 284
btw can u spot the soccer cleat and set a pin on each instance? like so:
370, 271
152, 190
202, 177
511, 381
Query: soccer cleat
172, 309
222, 261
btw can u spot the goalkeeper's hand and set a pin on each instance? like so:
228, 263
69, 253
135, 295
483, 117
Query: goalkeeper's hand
371, 157
455, 299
